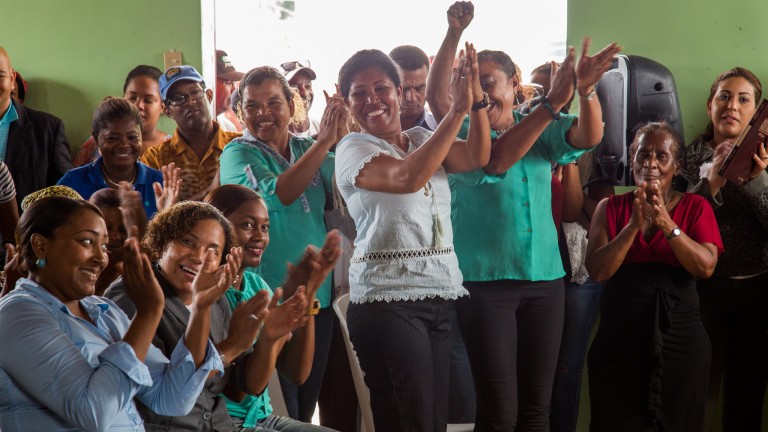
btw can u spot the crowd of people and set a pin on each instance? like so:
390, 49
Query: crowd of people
158, 281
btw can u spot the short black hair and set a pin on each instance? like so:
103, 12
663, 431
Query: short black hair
409, 57
111, 109
363, 60
142, 70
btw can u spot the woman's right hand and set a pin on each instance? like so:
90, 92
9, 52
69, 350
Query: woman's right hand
639, 204
461, 86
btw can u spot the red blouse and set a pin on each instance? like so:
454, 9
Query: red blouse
693, 215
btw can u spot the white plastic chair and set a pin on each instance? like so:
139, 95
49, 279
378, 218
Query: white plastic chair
363, 394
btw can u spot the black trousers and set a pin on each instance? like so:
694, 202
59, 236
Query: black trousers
735, 315
512, 331
404, 350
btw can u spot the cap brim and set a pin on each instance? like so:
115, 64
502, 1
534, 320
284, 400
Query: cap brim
312, 75
231, 76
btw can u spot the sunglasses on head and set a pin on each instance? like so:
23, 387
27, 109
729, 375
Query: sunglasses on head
291, 65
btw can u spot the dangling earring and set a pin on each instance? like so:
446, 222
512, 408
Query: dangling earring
41, 262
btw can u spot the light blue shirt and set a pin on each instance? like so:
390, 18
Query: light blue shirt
5, 126
61, 373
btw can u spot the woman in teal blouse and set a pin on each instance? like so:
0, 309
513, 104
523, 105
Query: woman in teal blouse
293, 175
512, 321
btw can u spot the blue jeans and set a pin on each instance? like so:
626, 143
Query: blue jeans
582, 305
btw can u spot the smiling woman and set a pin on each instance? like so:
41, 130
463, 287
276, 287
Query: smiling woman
90, 359
117, 131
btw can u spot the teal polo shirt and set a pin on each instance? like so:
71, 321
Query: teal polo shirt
502, 224
5, 126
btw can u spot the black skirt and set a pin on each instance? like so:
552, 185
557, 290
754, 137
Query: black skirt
649, 362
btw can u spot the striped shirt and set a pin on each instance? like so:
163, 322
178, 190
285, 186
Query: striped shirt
7, 189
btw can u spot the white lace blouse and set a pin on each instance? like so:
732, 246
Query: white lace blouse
404, 245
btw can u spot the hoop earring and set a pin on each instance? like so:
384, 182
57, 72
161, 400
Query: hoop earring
41, 262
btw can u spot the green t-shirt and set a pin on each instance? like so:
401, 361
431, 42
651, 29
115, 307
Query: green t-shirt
292, 227
502, 225
253, 408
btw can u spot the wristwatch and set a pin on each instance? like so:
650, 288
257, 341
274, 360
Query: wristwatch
314, 308
675, 232
477, 106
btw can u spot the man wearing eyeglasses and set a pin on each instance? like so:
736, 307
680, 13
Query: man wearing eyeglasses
198, 141
300, 77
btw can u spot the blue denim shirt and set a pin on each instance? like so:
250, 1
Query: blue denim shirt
61, 373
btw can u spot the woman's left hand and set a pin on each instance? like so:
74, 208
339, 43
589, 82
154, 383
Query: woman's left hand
657, 210
590, 69
287, 317
213, 281
168, 193
761, 162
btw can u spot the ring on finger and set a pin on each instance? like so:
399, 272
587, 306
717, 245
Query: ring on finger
253, 317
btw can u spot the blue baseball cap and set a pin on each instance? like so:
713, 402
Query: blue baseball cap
175, 74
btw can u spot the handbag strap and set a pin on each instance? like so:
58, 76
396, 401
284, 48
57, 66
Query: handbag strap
338, 201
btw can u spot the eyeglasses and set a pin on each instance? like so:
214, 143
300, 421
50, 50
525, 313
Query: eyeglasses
291, 65
180, 99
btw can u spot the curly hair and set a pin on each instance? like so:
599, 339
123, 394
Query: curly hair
257, 76
228, 198
44, 217
737, 72
178, 220
363, 60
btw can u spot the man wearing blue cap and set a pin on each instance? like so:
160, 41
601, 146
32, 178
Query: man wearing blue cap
197, 143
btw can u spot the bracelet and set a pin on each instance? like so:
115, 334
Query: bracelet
548, 106
590, 95
477, 106
224, 360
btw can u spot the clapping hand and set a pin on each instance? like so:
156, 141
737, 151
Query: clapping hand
214, 279
638, 218
168, 193
563, 76
461, 86
139, 278
656, 210
590, 69
286, 317
333, 125
132, 208
246, 321
314, 267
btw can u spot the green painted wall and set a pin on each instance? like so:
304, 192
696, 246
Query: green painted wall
74, 53
695, 39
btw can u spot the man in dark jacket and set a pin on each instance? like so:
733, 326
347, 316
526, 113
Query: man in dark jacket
32, 143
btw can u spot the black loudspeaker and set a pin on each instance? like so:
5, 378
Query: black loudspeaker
636, 90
